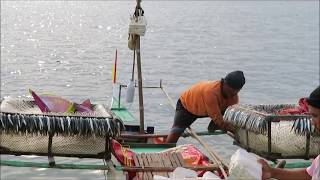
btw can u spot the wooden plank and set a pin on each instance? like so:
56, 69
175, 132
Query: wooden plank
145, 176
168, 159
137, 164
172, 160
142, 136
161, 163
156, 162
144, 145
149, 162
174, 155
142, 174
162, 158
146, 136
146, 163
159, 157
153, 162
179, 155
165, 160
146, 173
141, 160
176, 159
135, 159
169, 169
57, 166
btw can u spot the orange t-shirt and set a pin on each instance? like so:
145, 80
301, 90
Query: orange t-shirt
205, 99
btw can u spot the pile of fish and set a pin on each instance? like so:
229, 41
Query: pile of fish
59, 125
22, 117
303, 126
255, 118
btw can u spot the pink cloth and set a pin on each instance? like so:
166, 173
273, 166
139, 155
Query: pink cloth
314, 169
301, 109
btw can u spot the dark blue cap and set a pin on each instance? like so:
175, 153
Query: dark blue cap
314, 98
235, 79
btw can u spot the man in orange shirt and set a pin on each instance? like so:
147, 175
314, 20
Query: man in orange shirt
206, 99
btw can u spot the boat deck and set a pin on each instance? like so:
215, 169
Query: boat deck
149, 164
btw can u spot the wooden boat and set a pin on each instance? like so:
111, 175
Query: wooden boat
25, 130
90, 135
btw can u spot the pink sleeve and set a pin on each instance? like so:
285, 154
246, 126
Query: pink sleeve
314, 165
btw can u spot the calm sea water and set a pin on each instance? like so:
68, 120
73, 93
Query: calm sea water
67, 48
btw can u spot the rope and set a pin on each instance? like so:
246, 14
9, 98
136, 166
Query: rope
171, 102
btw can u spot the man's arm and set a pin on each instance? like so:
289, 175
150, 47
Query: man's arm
214, 112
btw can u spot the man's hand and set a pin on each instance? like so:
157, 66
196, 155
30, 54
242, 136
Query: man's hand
266, 169
224, 127
212, 126
229, 127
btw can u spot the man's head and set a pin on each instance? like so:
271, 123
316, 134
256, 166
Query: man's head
314, 107
232, 83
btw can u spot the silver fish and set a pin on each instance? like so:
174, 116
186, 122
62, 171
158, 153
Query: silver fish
35, 123
40, 123
302, 126
309, 126
24, 121
299, 127
293, 125
91, 126
297, 124
62, 124
48, 124
19, 122
16, 123
305, 124
9, 119
253, 120
239, 119
69, 123
2, 119
247, 119
109, 129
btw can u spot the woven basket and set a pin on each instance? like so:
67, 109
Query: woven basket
262, 131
